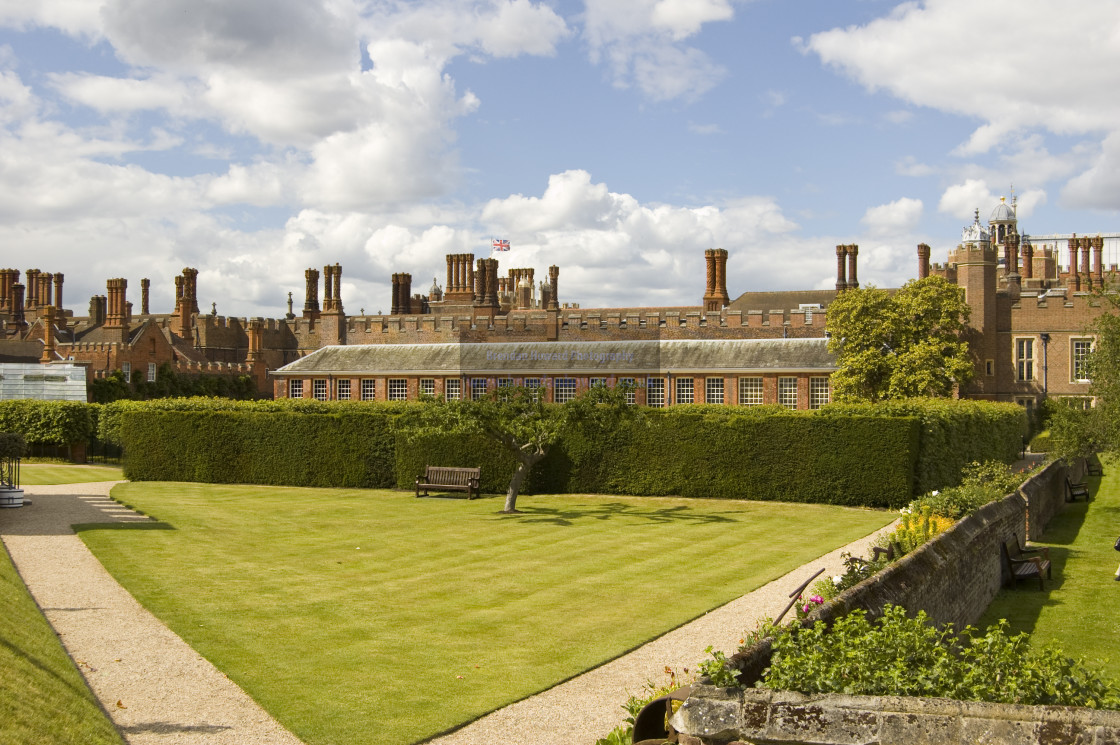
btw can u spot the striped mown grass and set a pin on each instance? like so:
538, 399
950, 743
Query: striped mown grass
374, 617
55, 473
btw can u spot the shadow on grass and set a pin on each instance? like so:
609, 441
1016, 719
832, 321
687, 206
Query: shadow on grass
146, 525
569, 515
1022, 603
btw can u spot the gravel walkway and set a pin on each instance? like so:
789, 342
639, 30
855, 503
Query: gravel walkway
159, 691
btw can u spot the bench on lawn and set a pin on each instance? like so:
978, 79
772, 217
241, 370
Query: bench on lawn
1021, 566
1080, 489
446, 478
1093, 466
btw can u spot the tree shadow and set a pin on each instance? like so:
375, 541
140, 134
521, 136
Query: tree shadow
1021, 603
137, 525
569, 515
168, 728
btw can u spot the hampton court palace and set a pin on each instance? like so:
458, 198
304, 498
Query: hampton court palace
1031, 297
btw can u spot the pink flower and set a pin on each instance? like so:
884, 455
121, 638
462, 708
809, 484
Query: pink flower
816, 599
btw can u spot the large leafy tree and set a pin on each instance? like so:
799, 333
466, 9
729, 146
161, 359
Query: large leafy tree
902, 345
1079, 433
517, 419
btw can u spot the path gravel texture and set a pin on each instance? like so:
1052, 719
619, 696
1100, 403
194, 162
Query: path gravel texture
159, 691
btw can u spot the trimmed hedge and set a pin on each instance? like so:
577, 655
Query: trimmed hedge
954, 433
707, 451
844, 454
49, 422
353, 449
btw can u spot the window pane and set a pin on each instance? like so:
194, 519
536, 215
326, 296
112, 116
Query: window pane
319, 390
787, 392
369, 389
564, 390
750, 391
398, 389
478, 388
295, 389
428, 386
343, 390
684, 391
818, 392
631, 395
655, 392
451, 388
713, 391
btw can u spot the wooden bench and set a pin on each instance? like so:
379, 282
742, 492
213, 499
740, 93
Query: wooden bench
1020, 566
446, 478
1076, 490
1093, 467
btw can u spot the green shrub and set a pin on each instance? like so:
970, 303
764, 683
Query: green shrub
901, 656
954, 432
12, 445
351, 445
1040, 443
48, 422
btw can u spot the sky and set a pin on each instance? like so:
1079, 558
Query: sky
617, 139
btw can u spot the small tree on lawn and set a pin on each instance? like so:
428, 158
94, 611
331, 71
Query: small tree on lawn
517, 419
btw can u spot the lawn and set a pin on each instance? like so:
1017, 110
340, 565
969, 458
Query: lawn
43, 697
1078, 611
374, 617
55, 473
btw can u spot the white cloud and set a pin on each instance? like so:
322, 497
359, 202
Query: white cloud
79, 18
1099, 186
962, 201
940, 53
641, 41
898, 217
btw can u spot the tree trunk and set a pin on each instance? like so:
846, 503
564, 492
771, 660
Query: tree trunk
523, 467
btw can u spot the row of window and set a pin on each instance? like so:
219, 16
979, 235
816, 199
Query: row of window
126, 368
1079, 350
564, 390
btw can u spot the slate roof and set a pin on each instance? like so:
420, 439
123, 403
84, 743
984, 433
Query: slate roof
547, 358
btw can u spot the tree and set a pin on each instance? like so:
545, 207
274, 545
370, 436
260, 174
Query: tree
1077, 433
517, 419
901, 345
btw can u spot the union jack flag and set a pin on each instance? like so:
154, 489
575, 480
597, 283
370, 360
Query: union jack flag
499, 244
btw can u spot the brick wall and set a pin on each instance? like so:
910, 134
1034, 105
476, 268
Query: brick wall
953, 578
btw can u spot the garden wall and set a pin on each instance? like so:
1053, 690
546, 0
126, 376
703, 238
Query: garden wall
721, 715
953, 578
1045, 493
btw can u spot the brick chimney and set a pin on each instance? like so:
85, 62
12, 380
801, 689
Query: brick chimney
923, 260
841, 269
47, 316
116, 315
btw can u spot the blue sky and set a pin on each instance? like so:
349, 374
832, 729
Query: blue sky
617, 139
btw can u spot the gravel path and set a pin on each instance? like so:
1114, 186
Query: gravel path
159, 691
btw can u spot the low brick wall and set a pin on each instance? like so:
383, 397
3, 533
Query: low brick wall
953, 578
1045, 493
723, 715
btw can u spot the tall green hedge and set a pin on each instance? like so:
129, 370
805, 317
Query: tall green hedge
351, 449
49, 422
859, 455
707, 451
953, 433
